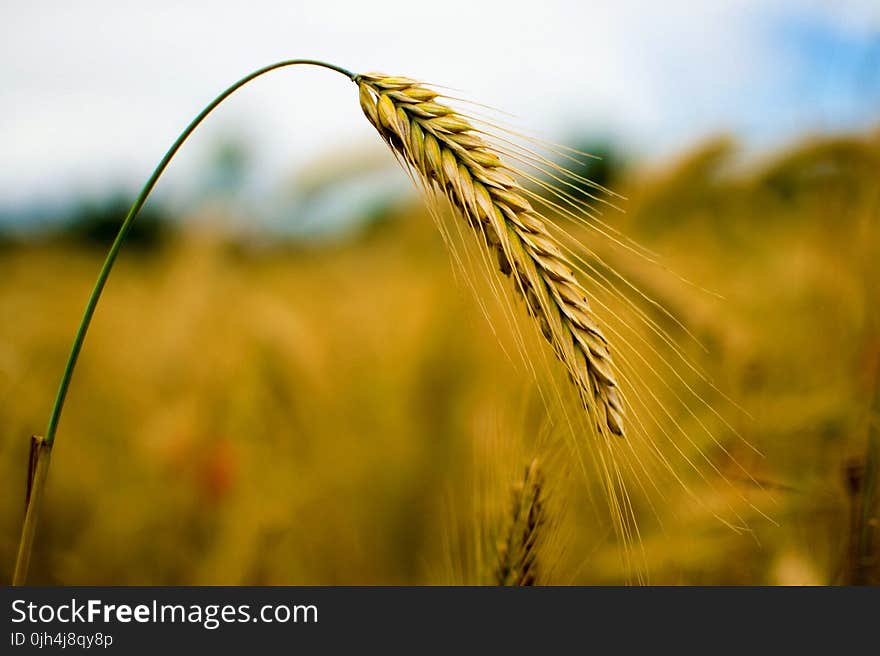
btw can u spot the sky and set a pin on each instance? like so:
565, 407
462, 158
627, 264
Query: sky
94, 91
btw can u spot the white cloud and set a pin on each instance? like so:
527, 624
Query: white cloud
96, 90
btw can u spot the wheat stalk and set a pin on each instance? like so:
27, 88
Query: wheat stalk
447, 153
517, 553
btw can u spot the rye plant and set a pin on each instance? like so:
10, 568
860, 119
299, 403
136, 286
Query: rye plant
513, 201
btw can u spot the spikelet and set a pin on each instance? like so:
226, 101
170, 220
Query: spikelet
446, 152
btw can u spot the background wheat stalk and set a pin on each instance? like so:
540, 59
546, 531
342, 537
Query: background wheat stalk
518, 551
447, 153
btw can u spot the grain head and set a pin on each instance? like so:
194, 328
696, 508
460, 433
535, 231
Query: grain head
447, 153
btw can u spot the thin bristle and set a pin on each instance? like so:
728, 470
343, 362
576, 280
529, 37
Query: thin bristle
447, 152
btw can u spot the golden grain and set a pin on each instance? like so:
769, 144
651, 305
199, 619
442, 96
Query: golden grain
447, 153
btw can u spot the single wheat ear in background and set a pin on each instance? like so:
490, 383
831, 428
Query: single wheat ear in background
447, 153
517, 553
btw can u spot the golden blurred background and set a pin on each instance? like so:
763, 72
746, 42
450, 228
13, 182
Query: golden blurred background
340, 412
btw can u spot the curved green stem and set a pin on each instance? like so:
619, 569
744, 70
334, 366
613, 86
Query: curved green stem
48, 440
129, 219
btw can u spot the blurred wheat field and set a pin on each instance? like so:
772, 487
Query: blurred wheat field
343, 414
